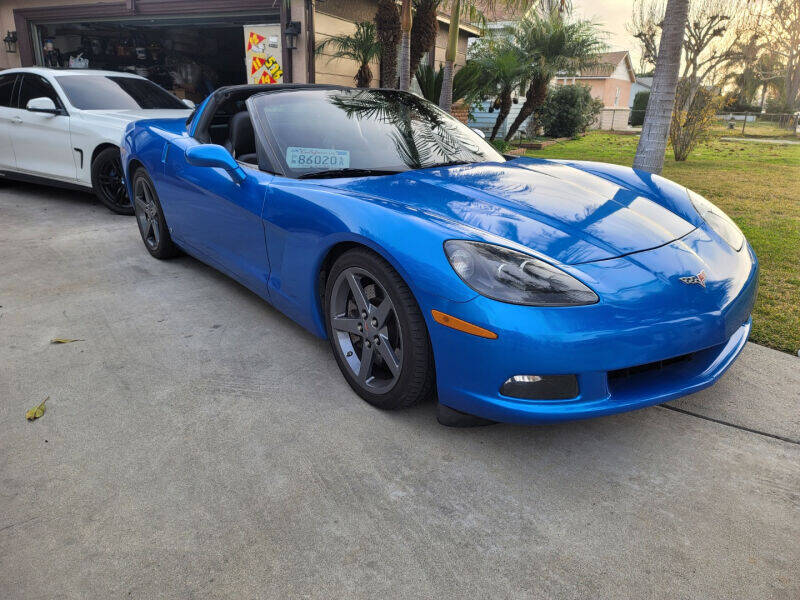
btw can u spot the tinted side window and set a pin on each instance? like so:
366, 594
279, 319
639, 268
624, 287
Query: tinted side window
34, 86
6, 87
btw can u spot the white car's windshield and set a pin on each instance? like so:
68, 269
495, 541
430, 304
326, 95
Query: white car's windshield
107, 92
321, 133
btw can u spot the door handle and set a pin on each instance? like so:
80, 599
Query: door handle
16, 120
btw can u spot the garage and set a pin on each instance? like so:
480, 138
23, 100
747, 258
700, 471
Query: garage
189, 49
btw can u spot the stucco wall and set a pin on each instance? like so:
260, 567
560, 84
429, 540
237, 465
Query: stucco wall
441, 46
603, 89
340, 71
339, 17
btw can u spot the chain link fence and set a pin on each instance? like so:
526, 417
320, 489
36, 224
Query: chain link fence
745, 124
760, 125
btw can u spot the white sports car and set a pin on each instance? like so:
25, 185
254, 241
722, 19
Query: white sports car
64, 127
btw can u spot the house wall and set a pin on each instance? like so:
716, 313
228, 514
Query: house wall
604, 89
441, 46
339, 71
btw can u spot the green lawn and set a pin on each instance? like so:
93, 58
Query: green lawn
758, 186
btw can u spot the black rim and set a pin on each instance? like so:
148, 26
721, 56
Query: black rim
111, 182
366, 330
147, 213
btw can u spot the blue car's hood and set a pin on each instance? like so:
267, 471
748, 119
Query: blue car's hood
562, 212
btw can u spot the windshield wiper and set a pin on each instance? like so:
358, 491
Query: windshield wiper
451, 163
346, 173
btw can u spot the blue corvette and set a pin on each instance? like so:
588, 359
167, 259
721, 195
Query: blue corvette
521, 290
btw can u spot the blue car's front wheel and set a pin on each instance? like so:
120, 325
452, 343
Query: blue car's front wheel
150, 217
377, 331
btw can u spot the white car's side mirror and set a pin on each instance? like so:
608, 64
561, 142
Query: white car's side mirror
188, 102
479, 132
42, 105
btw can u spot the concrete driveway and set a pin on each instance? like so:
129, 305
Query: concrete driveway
198, 444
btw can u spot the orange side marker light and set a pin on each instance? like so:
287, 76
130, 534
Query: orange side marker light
454, 323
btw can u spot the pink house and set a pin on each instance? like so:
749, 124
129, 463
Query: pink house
610, 80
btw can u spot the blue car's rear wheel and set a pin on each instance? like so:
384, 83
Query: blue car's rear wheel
150, 217
377, 332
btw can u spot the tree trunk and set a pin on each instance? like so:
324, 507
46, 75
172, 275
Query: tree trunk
424, 28
405, 46
534, 98
446, 95
505, 108
387, 23
658, 116
364, 76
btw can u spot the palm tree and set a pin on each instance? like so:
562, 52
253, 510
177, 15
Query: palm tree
474, 9
446, 95
658, 116
466, 82
504, 69
361, 46
552, 45
424, 28
387, 25
405, 45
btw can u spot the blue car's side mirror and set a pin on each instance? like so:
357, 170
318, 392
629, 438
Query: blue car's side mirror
212, 155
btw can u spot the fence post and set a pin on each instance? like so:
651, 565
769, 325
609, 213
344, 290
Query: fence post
744, 123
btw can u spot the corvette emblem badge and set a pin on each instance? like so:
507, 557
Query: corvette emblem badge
699, 279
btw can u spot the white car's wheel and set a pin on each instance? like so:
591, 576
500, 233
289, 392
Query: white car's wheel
108, 182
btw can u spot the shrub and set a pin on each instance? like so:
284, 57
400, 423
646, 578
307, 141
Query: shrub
638, 108
466, 82
690, 126
501, 146
568, 110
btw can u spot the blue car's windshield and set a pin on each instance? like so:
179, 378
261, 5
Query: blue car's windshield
340, 133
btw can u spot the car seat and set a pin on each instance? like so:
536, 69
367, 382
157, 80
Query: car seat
241, 138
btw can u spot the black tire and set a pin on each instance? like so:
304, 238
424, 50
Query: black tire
150, 217
404, 334
108, 182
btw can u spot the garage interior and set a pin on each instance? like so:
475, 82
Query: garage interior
189, 57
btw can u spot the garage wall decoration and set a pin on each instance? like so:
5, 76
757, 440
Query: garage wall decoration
262, 53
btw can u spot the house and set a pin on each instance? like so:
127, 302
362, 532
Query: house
193, 46
610, 81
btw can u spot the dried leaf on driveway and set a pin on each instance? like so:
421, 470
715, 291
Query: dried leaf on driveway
63, 341
36, 411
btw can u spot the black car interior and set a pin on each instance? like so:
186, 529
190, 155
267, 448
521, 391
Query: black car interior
241, 142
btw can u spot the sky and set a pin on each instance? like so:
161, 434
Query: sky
612, 15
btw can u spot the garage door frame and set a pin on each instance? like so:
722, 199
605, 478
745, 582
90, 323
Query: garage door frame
25, 18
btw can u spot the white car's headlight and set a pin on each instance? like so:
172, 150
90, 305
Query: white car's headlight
509, 276
717, 220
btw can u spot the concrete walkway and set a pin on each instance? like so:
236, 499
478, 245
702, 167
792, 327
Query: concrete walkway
198, 444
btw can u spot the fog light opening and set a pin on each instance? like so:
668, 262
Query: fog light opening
541, 387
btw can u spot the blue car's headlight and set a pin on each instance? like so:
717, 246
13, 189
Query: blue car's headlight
509, 276
717, 220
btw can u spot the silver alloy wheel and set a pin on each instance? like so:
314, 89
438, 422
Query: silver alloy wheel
366, 329
147, 212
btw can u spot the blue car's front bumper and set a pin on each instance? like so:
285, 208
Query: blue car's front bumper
651, 343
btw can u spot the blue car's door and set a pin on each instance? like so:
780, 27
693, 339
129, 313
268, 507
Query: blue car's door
216, 217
